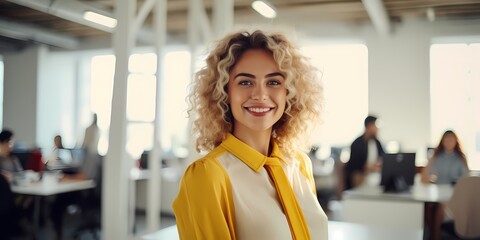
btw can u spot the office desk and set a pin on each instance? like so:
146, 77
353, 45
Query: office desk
369, 205
336, 231
38, 190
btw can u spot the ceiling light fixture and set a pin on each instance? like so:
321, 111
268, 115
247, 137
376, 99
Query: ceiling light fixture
100, 19
265, 9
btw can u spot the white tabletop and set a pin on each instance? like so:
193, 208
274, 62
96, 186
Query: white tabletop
348, 231
41, 189
420, 192
336, 231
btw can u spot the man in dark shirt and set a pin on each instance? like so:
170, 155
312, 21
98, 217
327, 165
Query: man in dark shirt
365, 152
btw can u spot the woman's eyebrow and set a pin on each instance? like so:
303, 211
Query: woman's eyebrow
244, 75
274, 74
248, 75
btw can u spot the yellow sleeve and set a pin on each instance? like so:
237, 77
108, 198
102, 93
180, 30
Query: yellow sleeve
204, 206
306, 169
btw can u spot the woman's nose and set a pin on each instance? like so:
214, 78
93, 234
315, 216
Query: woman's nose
259, 92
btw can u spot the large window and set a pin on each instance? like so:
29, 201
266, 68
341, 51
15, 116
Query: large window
141, 100
101, 86
344, 72
455, 102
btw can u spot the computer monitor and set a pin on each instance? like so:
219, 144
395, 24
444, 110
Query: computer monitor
398, 171
64, 155
68, 160
23, 157
70, 156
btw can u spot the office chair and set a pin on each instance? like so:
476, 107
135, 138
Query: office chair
91, 208
91, 217
464, 207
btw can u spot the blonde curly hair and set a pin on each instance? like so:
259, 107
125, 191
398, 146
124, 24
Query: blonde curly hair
209, 96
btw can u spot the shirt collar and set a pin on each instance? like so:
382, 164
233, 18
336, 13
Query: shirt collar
248, 155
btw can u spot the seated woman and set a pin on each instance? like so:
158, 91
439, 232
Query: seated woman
446, 166
448, 162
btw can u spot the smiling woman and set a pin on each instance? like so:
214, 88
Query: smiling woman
257, 94
209, 97
255, 101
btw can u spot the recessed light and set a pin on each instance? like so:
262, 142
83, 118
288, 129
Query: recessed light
264, 8
100, 19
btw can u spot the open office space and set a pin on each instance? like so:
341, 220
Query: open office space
413, 64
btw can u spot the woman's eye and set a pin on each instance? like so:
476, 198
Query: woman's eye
274, 82
245, 83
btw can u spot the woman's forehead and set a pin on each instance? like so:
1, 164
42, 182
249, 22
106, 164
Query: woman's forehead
255, 58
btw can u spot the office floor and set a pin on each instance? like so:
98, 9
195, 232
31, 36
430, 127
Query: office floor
140, 222
72, 223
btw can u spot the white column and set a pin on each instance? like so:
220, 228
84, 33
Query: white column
117, 164
223, 12
198, 22
193, 38
192, 27
154, 184
194, 11
192, 30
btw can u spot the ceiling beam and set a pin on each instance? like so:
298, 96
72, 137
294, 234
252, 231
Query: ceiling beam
378, 14
26, 32
403, 4
71, 10
10, 46
145, 9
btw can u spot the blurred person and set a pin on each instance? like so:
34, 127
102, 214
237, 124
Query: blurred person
90, 169
9, 163
91, 137
13, 206
255, 101
446, 166
448, 162
365, 155
57, 144
57, 141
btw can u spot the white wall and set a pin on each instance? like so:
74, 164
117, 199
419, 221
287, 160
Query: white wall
56, 100
44, 95
20, 93
399, 85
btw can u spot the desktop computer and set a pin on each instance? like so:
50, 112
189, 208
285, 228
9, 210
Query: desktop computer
398, 172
